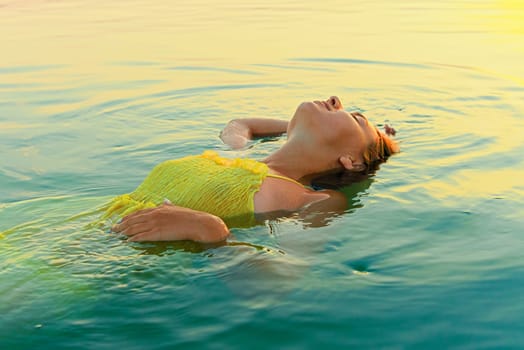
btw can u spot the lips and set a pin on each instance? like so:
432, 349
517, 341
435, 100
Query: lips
324, 104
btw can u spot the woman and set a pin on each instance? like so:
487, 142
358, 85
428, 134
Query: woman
321, 137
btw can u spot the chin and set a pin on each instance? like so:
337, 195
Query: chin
307, 108
305, 105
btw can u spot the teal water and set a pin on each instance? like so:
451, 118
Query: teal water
93, 95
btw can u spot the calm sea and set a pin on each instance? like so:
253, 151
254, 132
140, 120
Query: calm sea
93, 94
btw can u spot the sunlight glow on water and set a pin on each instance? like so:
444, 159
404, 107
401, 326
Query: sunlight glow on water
93, 94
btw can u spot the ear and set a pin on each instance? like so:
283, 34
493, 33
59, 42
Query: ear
346, 162
349, 164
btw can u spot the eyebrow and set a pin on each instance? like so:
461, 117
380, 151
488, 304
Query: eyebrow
378, 132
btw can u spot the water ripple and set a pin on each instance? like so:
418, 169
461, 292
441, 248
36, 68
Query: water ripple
214, 69
31, 69
364, 62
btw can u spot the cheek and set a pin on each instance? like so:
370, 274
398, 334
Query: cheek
347, 128
352, 140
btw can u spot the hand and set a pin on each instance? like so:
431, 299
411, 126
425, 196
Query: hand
236, 135
168, 222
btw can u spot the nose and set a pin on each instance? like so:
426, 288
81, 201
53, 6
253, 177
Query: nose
335, 102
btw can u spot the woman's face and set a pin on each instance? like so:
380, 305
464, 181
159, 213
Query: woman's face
326, 127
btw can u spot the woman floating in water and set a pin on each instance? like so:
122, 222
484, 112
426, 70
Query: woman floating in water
199, 197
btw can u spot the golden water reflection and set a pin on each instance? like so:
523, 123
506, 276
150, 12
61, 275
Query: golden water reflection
496, 183
120, 55
486, 34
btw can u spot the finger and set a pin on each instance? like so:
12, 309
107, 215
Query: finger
137, 213
131, 221
136, 229
143, 237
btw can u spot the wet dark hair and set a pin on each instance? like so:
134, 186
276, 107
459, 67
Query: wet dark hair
336, 180
382, 148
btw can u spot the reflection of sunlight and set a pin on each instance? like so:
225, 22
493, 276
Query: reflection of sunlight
14, 125
210, 34
511, 17
474, 184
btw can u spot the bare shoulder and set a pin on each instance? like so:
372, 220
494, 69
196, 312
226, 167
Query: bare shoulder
333, 201
277, 194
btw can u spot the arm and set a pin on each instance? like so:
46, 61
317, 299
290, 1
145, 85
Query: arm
168, 222
239, 131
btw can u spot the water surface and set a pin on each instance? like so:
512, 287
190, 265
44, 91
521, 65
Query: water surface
94, 94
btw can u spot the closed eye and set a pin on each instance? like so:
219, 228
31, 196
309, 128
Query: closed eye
358, 117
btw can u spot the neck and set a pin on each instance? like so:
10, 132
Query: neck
291, 161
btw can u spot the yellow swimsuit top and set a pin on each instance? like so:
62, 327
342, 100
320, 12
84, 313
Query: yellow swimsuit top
207, 182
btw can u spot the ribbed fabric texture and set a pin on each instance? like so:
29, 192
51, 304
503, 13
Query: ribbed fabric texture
207, 182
